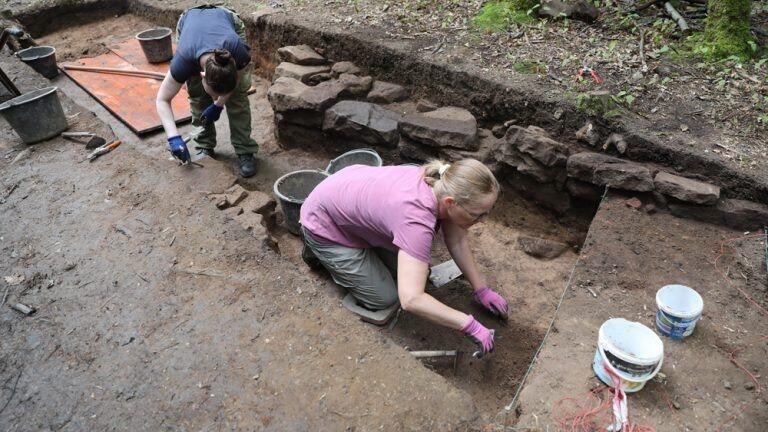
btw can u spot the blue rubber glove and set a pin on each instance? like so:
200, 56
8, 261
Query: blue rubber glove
211, 114
178, 148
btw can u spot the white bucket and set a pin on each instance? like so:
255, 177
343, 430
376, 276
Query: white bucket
680, 308
629, 351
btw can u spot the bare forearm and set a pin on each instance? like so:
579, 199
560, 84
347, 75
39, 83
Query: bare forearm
430, 308
462, 255
165, 112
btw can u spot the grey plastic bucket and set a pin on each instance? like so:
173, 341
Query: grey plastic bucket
354, 157
42, 59
291, 191
35, 116
156, 44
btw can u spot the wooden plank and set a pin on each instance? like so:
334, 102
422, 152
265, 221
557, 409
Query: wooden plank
130, 99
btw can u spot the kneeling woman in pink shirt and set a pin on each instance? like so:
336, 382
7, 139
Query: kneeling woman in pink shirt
368, 225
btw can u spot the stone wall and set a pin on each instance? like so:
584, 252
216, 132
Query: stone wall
336, 106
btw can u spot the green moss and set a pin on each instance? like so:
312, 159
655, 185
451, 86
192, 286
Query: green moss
497, 15
530, 67
727, 31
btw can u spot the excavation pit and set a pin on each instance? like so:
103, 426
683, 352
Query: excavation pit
285, 330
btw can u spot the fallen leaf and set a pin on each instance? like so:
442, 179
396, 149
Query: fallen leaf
14, 279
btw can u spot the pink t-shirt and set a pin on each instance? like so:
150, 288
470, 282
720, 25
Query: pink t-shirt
362, 207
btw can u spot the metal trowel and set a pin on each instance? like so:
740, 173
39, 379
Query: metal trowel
193, 134
94, 141
443, 273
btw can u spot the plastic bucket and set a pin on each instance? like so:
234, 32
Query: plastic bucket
35, 116
354, 157
42, 59
629, 352
291, 191
156, 44
680, 308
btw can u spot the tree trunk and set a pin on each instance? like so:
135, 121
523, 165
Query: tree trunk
727, 31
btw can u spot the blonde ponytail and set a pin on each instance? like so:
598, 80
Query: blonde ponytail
466, 180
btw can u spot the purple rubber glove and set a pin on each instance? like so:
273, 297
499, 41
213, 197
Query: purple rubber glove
479, 333
211, 114
491, 300
178, 148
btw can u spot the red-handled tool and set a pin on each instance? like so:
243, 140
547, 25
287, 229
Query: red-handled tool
106, 148
586, 70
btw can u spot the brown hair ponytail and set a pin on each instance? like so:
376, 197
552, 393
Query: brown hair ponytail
221, 72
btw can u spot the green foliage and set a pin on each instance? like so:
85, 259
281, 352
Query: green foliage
530, 67
727, 31
498, 15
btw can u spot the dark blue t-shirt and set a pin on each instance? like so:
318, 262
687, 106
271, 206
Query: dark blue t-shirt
203, 31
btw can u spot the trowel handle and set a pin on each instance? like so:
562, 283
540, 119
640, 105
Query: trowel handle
479, 353
77, 134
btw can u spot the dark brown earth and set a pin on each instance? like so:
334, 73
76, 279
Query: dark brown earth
174, 312
136, 324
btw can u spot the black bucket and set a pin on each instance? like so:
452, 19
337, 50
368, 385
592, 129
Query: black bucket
156, 44
291, 191
35, 116
42, 59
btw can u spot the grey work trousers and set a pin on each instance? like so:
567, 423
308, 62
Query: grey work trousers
369, 274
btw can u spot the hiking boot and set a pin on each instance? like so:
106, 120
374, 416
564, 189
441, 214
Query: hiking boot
205, 151
247, 165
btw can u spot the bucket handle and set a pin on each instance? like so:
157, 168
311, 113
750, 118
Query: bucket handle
328, 168
613, 370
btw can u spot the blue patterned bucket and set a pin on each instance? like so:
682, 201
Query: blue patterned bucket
680, 308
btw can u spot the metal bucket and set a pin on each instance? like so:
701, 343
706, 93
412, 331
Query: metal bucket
42, 59
354, 157
156, 44
35, 116
291, 191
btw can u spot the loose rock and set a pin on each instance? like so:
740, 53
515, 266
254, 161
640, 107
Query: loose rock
424, 105
588, 134
301, 55
617, 141
363, 122
318, 78
734, 213
353, 85
686, 189
298, 72
450, 127
541, 248
605, 170
344, 67
385, 92
259, 202
536, 143
301, 104
236, 194
634, 203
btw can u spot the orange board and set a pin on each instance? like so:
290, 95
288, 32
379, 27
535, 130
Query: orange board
131, 99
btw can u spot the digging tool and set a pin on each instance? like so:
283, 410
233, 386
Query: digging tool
128, 72
443, 273
479, 353
586, 70
443, 353
193, 134
94, 141
103, 150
